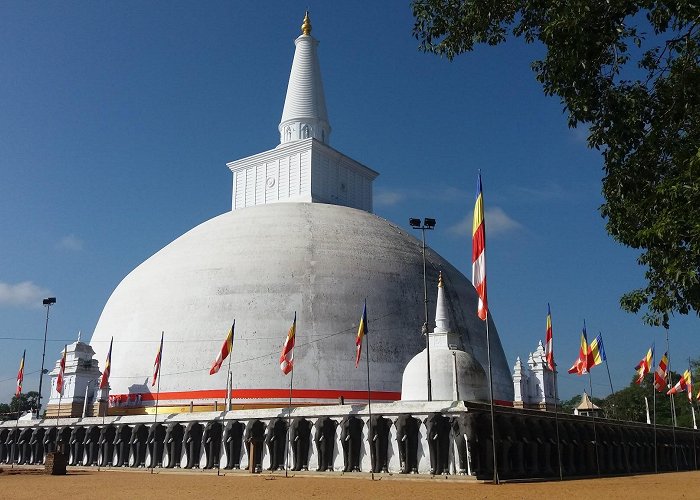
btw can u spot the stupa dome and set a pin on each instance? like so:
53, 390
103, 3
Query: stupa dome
262, 264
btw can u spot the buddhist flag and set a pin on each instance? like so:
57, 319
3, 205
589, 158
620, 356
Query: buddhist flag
596, 352
580, 366
549, 344
226, 349
361, 332
689, 385
61, 372
682, 384
104, 381
644, 365
159, 358
287, 356
20, 375
479, 252
661, 373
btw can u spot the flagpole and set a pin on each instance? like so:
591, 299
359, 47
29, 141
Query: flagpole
605, 358
673, 409
229, 389
493, 419
15, 445
155, 418
689, 388
289, 411
653, 390
556, 421
595, 432
369, 391
550, 353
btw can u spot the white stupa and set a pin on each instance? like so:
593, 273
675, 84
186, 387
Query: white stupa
300, 238
455, 374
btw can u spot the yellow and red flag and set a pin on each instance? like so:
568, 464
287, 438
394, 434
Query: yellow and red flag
226, 349
661, 374
479, 252
682, 384
159, 358
549, 341
61, 372
104, 381
644, 365
20, 375
361, 332
580, 366
287, 356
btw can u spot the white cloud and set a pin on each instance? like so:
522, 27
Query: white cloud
24, 294
70, 242
389, 198
497, 223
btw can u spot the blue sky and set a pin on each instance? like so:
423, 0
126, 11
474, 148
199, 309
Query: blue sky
117, 120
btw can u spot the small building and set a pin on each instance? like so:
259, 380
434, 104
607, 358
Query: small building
587, 408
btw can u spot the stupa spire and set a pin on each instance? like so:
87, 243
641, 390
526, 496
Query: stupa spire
304, 114
442, 318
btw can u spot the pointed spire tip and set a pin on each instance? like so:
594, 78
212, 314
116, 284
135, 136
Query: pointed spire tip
306, 25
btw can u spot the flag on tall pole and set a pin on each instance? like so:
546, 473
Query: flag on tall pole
661, 374
644, 366
156, 364
479, 252
596, 352
689, 385
361, 332
104, 381
287, 356
61, 372
20, 375
226, 349
580, 366
681, 385
549, 341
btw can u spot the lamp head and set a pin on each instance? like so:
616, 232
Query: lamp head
414, 222
48, 301
429, 223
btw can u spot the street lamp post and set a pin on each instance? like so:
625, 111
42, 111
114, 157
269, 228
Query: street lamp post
48, 302
426, 224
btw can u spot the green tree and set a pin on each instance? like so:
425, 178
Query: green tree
628, 404
630, 70
25, 402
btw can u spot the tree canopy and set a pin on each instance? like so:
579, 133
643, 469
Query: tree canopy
630, 71
25, 402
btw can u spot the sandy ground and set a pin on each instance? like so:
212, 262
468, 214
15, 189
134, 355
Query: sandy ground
90, 484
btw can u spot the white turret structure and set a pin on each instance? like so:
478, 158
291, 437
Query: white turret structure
455, 374
534, 385
303, 168
80, 383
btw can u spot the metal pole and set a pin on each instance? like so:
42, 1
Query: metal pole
155, 418
656, 459
425, 325
673, 408
595, 432
556, 423
43, 356
369, 393
229, 390
289, 412
493, 419
289, 424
